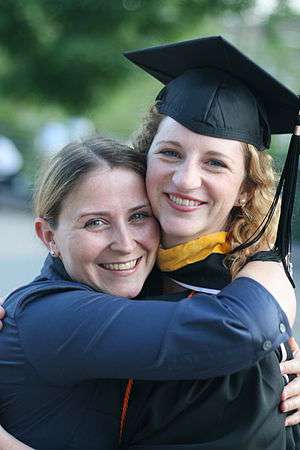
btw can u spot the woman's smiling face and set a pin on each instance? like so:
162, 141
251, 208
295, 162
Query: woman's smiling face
106, 235
193, 181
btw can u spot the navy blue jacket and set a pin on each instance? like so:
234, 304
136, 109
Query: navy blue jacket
62, 340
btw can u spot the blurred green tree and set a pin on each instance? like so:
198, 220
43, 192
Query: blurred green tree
60, 51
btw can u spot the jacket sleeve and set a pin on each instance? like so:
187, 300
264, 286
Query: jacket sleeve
80, 334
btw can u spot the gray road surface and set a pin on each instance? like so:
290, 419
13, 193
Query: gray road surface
21, 254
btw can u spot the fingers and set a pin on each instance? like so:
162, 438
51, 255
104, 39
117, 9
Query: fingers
293, 345
291, 393
293, 419
292, 366
292, 389
290, 404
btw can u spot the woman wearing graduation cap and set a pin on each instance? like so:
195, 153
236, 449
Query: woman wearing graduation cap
211, 186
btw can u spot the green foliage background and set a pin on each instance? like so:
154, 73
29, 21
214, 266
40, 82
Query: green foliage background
61, 51
61, 58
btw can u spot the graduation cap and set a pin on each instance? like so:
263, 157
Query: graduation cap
213, 89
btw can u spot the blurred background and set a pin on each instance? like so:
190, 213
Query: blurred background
63, 76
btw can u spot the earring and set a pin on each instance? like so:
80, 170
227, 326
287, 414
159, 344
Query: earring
243, 203
52, 252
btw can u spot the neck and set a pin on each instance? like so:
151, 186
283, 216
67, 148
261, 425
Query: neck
171, 241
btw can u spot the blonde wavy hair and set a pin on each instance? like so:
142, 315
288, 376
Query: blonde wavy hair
259, 185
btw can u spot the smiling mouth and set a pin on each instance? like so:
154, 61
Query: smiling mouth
128, 265
184, 201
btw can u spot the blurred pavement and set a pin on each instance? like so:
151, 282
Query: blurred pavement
22, 254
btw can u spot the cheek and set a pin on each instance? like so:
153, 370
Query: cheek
156, 183
82, 248
151, 191
150, 178
72, 256
229, 187
149, 236
155, 174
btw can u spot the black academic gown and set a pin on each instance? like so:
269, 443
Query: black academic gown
235, 412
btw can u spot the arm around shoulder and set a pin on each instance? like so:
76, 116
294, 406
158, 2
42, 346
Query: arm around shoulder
78, 335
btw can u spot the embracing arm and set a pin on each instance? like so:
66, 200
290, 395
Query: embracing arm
84, 335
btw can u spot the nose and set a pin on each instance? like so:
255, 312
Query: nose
123, 239
187, 176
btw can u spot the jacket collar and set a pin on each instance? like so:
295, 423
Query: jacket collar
54, 270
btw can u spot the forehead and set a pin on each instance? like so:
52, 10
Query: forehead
106, 188
170, 130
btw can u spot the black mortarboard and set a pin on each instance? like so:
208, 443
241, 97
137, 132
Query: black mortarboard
214, 89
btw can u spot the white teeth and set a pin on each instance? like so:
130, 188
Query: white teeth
121, 266
184, 201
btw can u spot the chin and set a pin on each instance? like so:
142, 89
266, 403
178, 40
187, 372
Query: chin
129, 293
184, 230
125, 291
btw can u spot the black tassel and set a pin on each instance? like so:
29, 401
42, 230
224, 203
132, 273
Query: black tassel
286, 189
289, 183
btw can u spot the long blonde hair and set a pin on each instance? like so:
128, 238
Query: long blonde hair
245, 220
259, 185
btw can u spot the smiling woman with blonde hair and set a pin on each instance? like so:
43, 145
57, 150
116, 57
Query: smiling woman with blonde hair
245, 218
212, 188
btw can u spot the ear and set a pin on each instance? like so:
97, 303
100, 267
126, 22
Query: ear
46, 234
243, 196
241, 200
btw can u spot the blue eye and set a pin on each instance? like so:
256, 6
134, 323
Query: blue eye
216, 163
171, 153
94, 223
139, 216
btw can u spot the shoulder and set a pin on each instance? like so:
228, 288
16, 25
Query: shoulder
271, 275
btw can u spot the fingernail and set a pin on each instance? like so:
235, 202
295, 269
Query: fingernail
282, 407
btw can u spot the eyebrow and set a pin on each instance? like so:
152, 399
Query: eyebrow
107, 213
219, 154
176, 143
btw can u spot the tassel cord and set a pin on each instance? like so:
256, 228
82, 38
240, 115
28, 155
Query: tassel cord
287, 190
